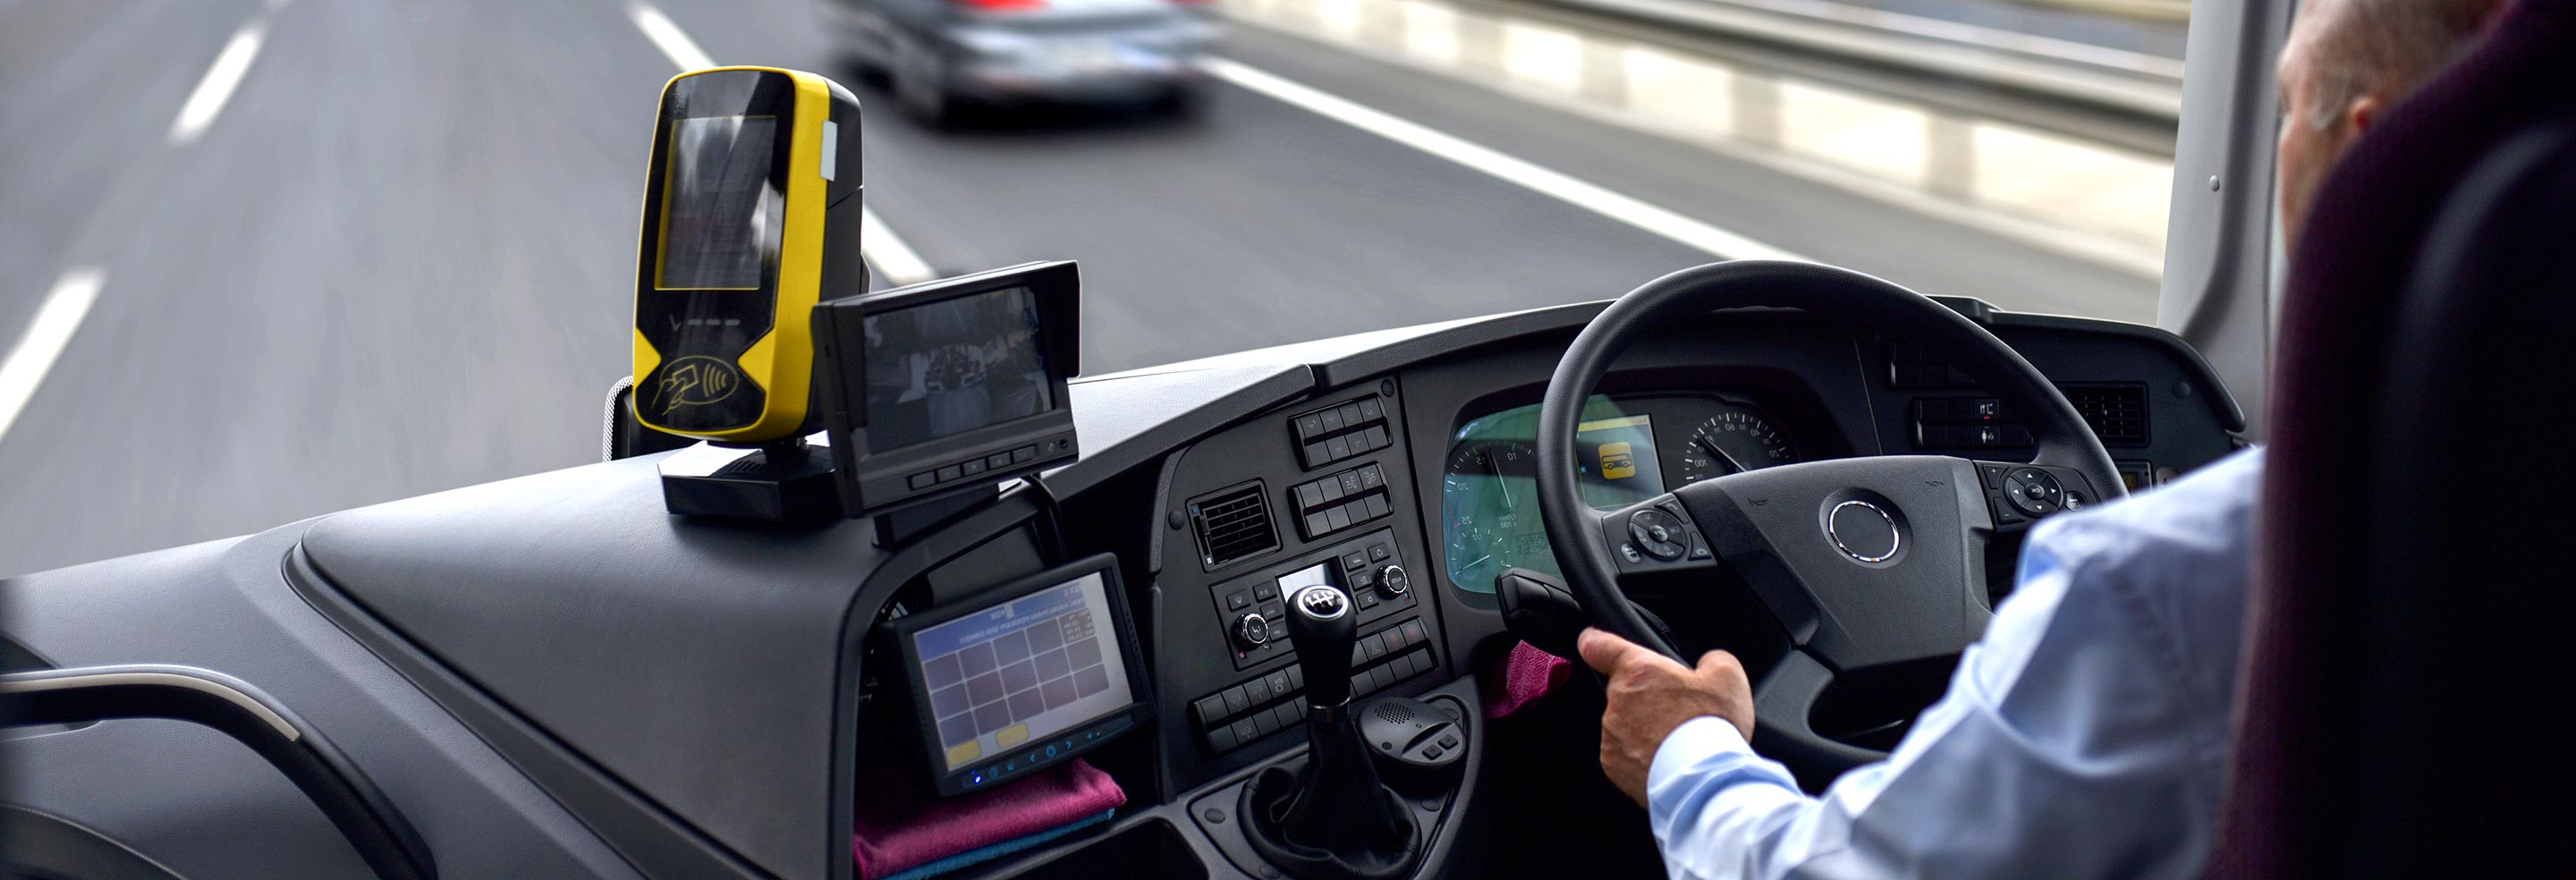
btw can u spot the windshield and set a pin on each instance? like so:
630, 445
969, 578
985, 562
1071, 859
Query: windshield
267, 260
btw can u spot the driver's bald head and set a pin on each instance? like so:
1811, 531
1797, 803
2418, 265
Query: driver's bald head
2382, 47
2348, 61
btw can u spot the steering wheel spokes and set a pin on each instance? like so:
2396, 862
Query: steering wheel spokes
1865, 561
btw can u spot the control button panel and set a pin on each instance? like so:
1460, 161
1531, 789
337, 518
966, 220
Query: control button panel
999, 461
1656, 535
2019, 494
1969, 436
1256, 617
1271, 702
1340, 431
1352, 497
1042, 754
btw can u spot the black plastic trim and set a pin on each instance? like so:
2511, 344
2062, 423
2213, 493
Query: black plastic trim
1444, 341
40, 844
370, 821
650, 839
1200, 418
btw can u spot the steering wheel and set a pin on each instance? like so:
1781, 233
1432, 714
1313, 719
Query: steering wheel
1866, 562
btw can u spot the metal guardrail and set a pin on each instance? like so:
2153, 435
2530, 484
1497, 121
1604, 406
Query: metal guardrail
2101, 202
2170, 11
2118, 79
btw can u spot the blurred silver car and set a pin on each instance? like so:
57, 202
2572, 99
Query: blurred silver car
940, 56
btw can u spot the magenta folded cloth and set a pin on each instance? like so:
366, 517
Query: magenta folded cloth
1527, 674
900, 827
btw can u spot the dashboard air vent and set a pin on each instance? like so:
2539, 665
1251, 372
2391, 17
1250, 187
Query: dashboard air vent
1233, 525
2117, 412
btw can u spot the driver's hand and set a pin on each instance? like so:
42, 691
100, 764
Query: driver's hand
1650, 697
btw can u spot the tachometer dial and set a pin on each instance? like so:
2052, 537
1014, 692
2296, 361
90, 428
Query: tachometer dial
1736, 439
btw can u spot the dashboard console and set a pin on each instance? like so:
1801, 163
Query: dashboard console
1316, 493
662, 697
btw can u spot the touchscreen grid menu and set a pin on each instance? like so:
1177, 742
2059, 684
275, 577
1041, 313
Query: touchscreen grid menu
997, 686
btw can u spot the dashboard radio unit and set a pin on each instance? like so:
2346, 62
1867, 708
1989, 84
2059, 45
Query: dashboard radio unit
943, 388
1023, 676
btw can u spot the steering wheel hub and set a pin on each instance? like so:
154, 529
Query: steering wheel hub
1863, 532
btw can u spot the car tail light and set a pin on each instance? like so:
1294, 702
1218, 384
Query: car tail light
1000, 5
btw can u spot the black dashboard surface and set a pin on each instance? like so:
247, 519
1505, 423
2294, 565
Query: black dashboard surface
696, 694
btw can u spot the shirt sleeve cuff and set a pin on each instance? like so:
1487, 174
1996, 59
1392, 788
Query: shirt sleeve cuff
1692, 744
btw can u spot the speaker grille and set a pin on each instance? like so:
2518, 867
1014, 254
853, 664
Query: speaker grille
1393, 712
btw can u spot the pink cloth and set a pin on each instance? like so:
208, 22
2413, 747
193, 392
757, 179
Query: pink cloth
1527, 674
900, 826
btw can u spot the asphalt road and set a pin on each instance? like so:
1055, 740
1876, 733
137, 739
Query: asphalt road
399, 258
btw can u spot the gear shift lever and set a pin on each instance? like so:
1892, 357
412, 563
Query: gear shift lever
1322, 629
1331, 819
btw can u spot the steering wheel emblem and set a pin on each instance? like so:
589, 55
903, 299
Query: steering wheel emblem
1863, 532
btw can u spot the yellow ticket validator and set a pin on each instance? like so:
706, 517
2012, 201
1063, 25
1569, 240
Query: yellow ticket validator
751, 216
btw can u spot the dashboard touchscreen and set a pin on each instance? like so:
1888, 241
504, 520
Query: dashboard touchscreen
1022, 682
1626, 451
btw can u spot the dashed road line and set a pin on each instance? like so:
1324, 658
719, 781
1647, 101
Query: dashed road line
667, 36
207, 101
893, 259
57, 318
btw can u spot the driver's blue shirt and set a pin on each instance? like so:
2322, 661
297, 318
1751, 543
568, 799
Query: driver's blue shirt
2084, 737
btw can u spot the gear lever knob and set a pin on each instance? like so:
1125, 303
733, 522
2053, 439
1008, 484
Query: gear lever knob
1322, 627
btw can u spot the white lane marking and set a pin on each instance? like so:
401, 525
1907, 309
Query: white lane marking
1616, 206
56, 319
892, 257
668, 37
204, 104
877, 244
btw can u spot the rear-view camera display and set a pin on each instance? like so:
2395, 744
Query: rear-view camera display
954, 366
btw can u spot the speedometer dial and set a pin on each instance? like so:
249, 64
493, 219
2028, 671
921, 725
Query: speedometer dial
1736, 439
1489, 505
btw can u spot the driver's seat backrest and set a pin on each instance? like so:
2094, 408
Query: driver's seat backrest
2442, 236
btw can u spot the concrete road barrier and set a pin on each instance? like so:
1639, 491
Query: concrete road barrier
2092, 200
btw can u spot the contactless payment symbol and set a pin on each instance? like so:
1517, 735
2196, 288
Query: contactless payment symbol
1617, 462
696, 380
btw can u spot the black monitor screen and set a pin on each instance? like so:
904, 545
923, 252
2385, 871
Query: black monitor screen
953, 366
717, 202
1022, 671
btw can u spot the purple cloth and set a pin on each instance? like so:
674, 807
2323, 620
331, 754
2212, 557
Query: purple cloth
901, 827
1527, 674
